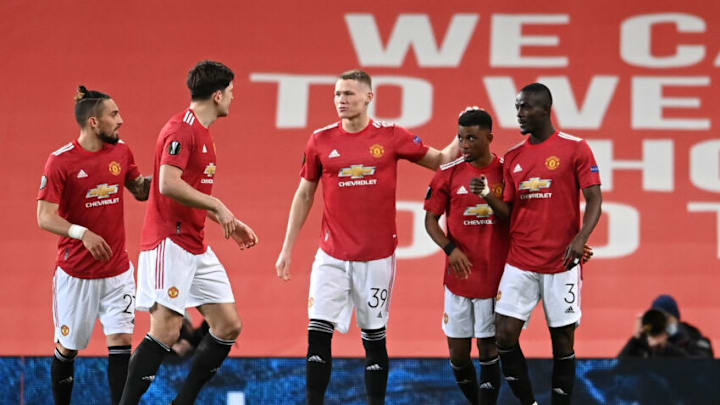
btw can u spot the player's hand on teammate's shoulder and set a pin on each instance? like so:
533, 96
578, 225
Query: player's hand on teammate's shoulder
282, 266
99, 249
460, 263
244, 235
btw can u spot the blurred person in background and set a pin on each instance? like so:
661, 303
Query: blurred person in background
683, 335
651, 338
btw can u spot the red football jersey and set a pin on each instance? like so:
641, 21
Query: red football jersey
184, 143
471, 225
88, 188
543, 183
358, 172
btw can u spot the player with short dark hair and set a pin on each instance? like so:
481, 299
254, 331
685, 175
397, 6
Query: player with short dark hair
543, 178
356, 161
476, 245
81, 199
177, 269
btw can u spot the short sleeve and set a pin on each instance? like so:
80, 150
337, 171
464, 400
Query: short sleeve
311, 167
586, 169
509, 190
132, 170
52, 182
177, 147
438, 194
408, 145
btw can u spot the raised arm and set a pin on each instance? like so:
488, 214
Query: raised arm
501, 209
434, 158
301, 204
49, 220
172, 185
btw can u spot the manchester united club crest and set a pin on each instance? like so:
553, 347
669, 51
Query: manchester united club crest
497, 190
445, 318
115, 168
65, 330
173, 292
377, 151
498, 296
311, 301
552, 162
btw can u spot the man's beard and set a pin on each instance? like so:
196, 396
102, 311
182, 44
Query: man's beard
108, 138
470, 158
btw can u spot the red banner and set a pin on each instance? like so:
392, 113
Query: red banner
633, 78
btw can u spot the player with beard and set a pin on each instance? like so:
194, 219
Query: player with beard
81, 199
543, 176
177, 269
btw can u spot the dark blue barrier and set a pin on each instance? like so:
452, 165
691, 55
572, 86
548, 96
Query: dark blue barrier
412, 381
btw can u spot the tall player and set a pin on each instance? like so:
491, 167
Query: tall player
543, 179
476, 245
81, 199
177, 269
356, 161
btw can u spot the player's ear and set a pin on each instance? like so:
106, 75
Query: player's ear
92, 122
490, 137
370, 96
217, 96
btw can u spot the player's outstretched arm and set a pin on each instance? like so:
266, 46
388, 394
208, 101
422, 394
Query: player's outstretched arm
501, 209
593, 209
140, 187
459, 262
434, 158
300, 208
172, 185
49, 220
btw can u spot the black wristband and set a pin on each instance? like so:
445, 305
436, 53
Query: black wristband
449, 248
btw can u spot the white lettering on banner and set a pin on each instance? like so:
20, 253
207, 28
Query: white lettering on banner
501, 91
597, 99
636, 40
506, 40
705, 165
623, 230
657, 164
293, 95
694, 206
648, 103
416, 103
422, 245
410, 29
235, 398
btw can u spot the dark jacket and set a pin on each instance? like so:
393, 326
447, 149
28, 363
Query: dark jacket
689, 339
638, 347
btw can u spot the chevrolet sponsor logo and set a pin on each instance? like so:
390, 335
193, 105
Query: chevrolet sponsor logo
535, 184
102, 191
480, 211
357, 171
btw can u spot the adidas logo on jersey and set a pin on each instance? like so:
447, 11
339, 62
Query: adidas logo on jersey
517, 168
316, 359
373, 367
462, 190
204, 149
334, 154
570, 310
81, 174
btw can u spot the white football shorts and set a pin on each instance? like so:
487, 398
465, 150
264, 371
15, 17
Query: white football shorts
78, 302
338, 286
468, 317
520, 291
177, 279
